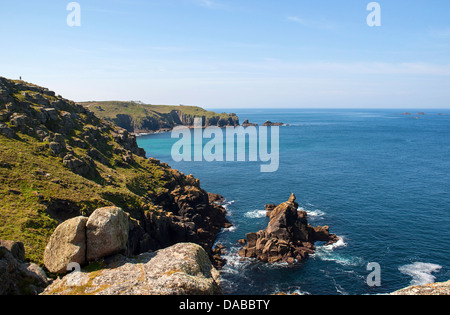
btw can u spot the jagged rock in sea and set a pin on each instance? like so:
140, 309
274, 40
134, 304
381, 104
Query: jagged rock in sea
182, 269
269, 123
246, 123
287, 238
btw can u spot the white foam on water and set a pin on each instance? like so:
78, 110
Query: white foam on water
235, 263
338, 244
315, 213
225, 205
256, 214
420, 272
230, 229
312, 213
327, 253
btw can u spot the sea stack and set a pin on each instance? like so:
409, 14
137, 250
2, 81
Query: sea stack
288, 236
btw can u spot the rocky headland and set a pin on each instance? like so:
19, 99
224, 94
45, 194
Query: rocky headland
60, 162
140, 118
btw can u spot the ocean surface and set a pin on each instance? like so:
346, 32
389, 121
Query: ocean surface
379, 179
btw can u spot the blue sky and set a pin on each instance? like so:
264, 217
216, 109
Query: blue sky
234, 53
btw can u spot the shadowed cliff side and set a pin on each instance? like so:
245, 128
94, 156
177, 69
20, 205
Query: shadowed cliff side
143, 118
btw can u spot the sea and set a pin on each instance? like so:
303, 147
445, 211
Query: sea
379, 179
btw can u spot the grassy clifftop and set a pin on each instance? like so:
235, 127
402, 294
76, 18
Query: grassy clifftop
138, 117
59, 160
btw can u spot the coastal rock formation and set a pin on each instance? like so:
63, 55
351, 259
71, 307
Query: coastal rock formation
287, 238
246, 123
269, 123
182, 269
18, 277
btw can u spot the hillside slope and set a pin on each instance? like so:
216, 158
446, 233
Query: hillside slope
142, 118
58, 160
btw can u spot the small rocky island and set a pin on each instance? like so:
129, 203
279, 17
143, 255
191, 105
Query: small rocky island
288, 236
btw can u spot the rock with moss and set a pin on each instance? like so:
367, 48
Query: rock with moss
182, 269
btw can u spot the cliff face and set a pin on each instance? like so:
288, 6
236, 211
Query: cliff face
142, 118
58, 160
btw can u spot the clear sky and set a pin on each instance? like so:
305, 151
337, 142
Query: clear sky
233, 53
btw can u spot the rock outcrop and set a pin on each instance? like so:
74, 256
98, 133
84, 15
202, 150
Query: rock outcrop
269, 123
246, 123
287, 238
182, 269
81, 240
18, 277
137, 117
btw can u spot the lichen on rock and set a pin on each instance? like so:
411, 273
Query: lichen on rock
182, 269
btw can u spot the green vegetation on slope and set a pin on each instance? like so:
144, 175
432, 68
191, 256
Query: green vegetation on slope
58, 161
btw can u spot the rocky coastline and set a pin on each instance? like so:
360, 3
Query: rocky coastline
141, 119
59, 163
87, 213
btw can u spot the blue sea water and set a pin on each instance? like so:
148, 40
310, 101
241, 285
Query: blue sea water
380, 180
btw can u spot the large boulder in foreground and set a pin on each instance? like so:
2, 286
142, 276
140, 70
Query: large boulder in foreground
67, 245
288, 236
106, 232
182, 269
81, 240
